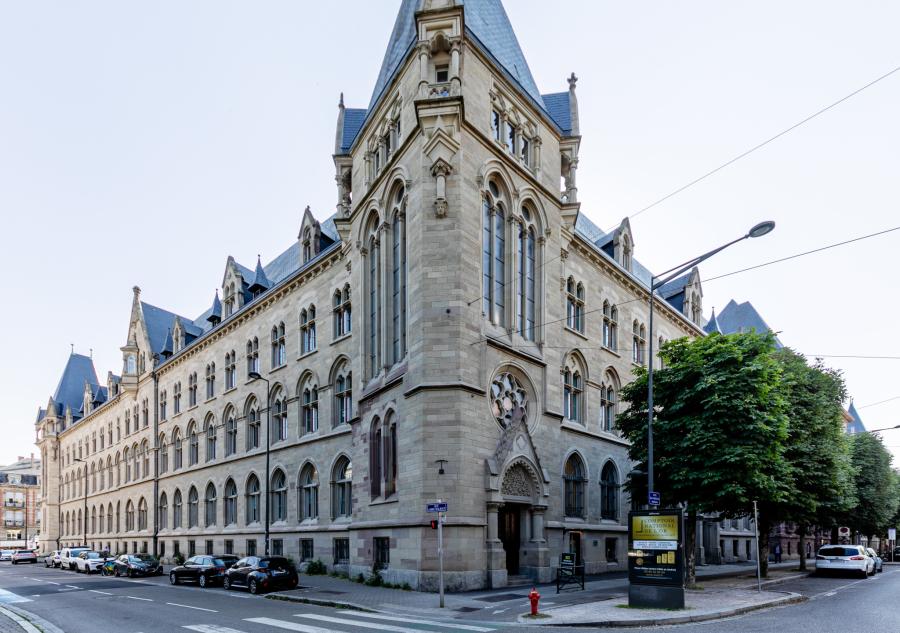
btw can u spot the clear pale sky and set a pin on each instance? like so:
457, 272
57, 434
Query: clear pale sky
143, 142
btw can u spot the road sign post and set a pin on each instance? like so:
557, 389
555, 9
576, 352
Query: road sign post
440, 507
653, 498
758, 553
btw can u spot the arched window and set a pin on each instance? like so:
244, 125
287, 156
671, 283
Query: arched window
398, 276
527, 255
109, 518
145, 457
230, 502
193, 507
389, 449
178, 451
252, 494
230, 369
609, 492
574, 481
101, 524
610, 313
279, 496
210, 432
209, 505
126, 455
253, 356
376, 456
176, 509
342, 489
142, 514
176, 400
94, 520
309, 493
373, 295
608, 398
193, 444
573, 395
163, 511
279, 415
93, 478
129, 516
192, 389
308, 330
279, 357
251, 412
101, 472
341, 313
343, 395
230, 432
309, 407
638, 341
493, 261
163, 454
136, 461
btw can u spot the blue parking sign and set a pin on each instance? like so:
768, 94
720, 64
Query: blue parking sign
653, 498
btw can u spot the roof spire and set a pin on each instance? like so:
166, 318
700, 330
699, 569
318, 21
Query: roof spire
215, 314
260, 281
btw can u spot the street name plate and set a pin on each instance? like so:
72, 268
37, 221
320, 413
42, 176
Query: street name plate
441, 506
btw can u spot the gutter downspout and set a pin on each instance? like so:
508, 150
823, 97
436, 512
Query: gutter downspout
155, 457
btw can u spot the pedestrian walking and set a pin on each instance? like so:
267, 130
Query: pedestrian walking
777, 552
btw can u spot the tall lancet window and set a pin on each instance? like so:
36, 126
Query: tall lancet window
398, 277
373, 295
525, 301
493, 260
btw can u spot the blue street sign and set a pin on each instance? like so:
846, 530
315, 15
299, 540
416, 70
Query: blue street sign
437, 507
653, 498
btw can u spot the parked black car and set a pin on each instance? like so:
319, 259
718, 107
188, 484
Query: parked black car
260, 574
203, 570
132, 565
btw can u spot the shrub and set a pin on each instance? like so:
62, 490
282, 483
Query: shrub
316, 568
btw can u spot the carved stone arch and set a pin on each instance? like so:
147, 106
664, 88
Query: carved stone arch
307, 375
374, 214
580, 360
520, 481
584, 462
528, 196
440, 43
610, 372
494, 168
339, 363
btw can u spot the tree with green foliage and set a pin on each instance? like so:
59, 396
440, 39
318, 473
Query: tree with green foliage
817, 454
719, 428
876, 486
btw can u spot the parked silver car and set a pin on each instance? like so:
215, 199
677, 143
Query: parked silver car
879, 564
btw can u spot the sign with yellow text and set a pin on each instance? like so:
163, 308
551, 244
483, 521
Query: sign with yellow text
655, 554
655, 532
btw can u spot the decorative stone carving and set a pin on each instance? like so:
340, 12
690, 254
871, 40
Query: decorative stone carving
440, 170
509, 400
517, 482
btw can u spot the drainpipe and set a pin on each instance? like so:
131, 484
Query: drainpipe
155, 456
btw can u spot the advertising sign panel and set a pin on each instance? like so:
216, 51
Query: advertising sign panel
655, 552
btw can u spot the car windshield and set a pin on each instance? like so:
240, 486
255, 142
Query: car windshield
92, 555
223, 562
146, 558
839, 551
134, 559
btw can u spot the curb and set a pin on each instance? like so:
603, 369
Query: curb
29, 622
792, 598
319, 602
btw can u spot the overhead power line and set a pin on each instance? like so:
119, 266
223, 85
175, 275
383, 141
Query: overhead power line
796, 255
866, 406
764, 143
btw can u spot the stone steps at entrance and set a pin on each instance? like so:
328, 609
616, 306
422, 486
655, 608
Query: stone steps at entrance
519, 581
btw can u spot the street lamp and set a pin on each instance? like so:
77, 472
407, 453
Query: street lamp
85, 524
254, 375
763, 228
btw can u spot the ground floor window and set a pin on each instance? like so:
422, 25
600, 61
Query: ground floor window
306, 549
192, 548
341, 550
747, 544
612, 549
735, 548
177, 548
251, 547
144, 547
277, 547
382, 551
162, 549
229, 546
209, 547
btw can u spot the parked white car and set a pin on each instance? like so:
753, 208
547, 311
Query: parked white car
90, 561
68, 555
52, 559
879, 564
845, 558
6, 554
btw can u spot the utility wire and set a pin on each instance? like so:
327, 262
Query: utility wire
764, 143
854, 356
796, 255
866, 406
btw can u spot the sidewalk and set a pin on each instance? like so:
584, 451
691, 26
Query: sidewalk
340, 592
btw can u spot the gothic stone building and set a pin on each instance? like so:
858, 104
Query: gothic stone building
457, 330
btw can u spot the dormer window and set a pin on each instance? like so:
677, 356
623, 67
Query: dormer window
307, 246
442, 73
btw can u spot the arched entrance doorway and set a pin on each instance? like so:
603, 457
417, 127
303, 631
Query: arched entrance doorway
521, 520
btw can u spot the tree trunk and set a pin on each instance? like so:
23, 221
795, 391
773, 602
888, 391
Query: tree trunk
801, 529
690, 548
834, 535
764, 526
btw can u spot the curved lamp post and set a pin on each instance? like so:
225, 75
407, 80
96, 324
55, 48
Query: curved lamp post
253, 375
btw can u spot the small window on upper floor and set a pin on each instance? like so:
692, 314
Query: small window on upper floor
511, 138
442, 73
495, 124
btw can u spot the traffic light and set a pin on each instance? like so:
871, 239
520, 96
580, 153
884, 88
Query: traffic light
434, 524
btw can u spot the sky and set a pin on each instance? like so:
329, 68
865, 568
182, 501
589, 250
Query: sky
141, 143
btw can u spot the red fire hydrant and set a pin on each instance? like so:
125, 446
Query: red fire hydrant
534, 597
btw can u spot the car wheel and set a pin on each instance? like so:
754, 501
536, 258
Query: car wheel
202, 581
226, 583
131, 573
254, 588
117, 572
173, 579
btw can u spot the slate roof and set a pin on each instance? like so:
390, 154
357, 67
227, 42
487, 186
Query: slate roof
856, 426
353, 122
159, 323
742, 317
70, 390
260, 281
603, 241
558, 108
486, 23
713, 324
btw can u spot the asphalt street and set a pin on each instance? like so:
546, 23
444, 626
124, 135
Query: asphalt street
77, 603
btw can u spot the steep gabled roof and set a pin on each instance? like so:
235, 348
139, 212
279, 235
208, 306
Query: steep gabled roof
487, 24
742, 317
559, 109
70, 390
856, 426
159, 322
713, 324
353, 122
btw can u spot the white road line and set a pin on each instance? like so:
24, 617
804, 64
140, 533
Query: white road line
291, 626
136, 598
73, 587
105, 593
392, 618
210, 628
365, 625
52, 583
187, 606
829, 594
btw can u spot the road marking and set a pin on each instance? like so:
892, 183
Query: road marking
52, 583
8, 597
365, 625
136, 598
211, 628
73, 587
187, 606
830, 593
500, 611
105, 593
391, 618
291, 626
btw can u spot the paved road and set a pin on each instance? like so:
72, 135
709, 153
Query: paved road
80, 604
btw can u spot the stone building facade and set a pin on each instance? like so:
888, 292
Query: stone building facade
457, 330
20, 493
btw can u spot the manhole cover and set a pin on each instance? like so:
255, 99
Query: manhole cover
501, 597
